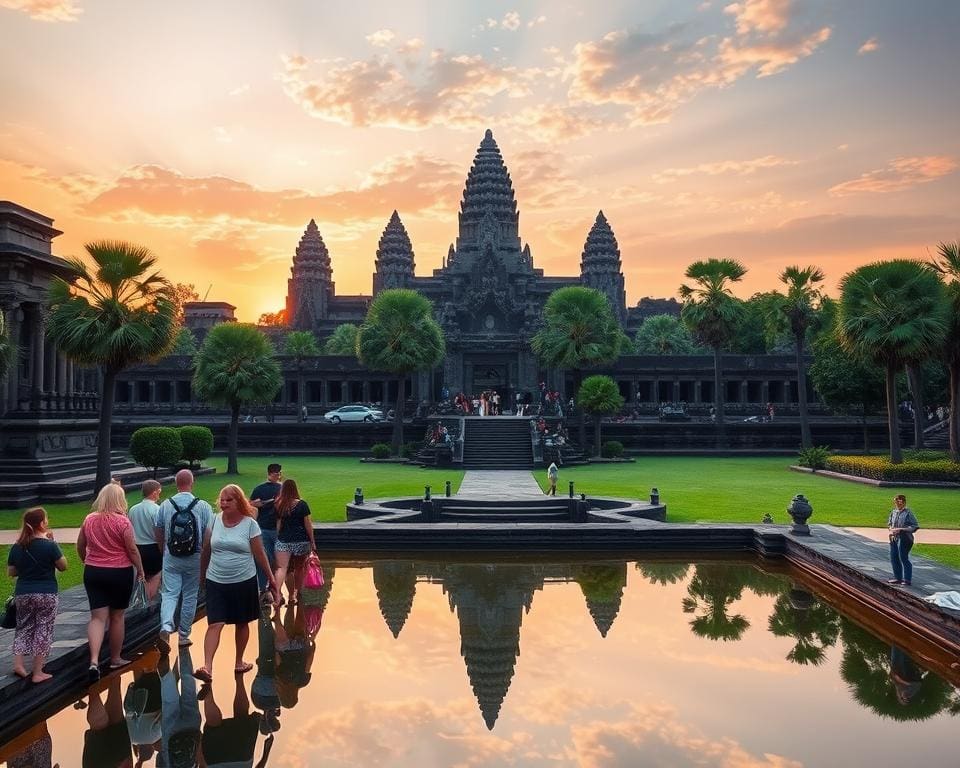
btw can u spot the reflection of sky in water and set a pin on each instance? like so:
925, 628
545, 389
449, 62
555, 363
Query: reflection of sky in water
690, 673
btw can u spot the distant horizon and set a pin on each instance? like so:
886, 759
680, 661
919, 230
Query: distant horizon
774, 132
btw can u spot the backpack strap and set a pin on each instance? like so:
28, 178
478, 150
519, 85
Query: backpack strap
174, 504
192, 504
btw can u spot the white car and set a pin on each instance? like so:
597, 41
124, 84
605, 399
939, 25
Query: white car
353, 413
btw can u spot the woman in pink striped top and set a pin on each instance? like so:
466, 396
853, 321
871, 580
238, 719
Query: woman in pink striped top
108, 549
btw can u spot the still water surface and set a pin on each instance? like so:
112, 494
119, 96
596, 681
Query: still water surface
598, 664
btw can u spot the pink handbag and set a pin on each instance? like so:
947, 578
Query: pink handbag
313, 578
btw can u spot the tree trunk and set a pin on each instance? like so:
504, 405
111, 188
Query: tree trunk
301, 397
866, 431
806, 440
953, 423
398, 418
718, 396
582, 425
233, 439
596, 434
103, 433
915, 379
893, 423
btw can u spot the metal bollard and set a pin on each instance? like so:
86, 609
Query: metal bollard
654, 496
571, 489
447, 489
358, 496
426, 493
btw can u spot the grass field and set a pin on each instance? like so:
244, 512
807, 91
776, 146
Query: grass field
326, 483
948, 554
69, 578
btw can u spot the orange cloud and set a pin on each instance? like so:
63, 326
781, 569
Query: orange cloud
45, 10
555, 123
900, 174
869, 47
737, 167
769, 57
765, 16
381, 38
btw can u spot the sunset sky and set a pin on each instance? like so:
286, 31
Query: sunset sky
773, 131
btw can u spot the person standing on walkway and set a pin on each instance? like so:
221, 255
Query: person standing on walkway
294, 537
182, 522
232, 549
143, 517
263, 501
902, 525
553, 474
111, 561
32, 561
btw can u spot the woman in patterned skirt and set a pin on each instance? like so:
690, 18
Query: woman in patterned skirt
294, 536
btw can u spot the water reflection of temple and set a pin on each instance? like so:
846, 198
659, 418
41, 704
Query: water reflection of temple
490, 602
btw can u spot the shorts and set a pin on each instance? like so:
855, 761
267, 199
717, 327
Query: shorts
108, 587
152, 559
294, 548
237, 603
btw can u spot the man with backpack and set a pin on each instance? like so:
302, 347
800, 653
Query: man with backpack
182, 522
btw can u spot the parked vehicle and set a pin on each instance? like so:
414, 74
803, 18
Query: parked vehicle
353, 413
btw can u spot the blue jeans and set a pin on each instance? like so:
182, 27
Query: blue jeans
269, 539
900, 558
180, 584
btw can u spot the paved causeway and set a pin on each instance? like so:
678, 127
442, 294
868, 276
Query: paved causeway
499, 484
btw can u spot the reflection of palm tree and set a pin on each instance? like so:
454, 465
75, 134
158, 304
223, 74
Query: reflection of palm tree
713, 588
764, 584
814, 625
663, 573
602, 586
866, 668
396, 584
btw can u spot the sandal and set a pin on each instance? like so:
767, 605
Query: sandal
201, 673
242, 669
119, 663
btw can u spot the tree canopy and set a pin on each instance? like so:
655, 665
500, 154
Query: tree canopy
301, 344
343, 340
663, 335
580, 330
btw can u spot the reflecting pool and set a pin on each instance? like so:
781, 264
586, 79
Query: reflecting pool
596, 663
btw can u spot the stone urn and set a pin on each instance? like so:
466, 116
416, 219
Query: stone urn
800, 510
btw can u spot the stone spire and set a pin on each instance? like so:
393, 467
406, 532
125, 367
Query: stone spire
600, 266
394, 264
311, 283
488, 211
396, 585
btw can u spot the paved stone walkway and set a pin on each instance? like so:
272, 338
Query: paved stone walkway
923, 536
499, 484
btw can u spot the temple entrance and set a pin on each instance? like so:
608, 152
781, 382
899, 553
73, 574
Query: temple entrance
493, 376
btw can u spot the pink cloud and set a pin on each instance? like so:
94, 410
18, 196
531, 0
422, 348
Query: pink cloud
763, 16
45, 10
737, 167
869, 47
900, 173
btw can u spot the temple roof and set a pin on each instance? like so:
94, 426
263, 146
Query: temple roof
394, 250
396, 585
600, 251
488, 188
312, 252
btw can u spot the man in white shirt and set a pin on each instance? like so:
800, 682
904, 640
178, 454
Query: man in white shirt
143, 516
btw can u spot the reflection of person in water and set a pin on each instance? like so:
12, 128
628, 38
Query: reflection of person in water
231, 741
142, 710
180, 746
38, 753
295, 651
907, 677
263, 692
106, 744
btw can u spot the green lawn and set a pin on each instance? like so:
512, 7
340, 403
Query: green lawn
69, 578
327, 484
948, 554
741, 490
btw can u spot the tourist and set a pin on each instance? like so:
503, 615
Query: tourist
263, 690
295, 653
180, 743
518, 399
484, 404
262, 500
771, 412
182, 522
902, 525
143, 517
304, 414
294, 536
232, 548
142, 710
106, 744
232, 741
33, 561
553, 474
111, 561
496, 403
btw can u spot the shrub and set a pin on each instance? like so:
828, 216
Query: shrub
409, 450
815, 457
197, 443
612, 449
910, 471
380, 451
156, 447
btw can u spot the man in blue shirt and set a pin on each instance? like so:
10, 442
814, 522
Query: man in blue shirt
180, 582
262, 499
902, 525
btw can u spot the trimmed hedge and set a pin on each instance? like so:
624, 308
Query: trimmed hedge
409, 450
910, 471
612, 449
380, 451
156, 447
197, 443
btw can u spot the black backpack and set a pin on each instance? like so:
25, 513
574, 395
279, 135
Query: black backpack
184, 533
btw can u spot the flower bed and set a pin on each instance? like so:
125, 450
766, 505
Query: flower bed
910, 471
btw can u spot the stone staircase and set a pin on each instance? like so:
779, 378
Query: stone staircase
497, 442
554, 509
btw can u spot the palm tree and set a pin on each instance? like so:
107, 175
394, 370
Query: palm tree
663, 335
343, 340
894, 312
711, 313
797, 311
113, 314
580, 331
400, 336
663, 573
948, 265
599, 396
301, 345
236, 367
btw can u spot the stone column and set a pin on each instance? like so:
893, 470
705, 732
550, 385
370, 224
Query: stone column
676, 390
786, 392
344, 392
13, 319
744, 391
698, 391
765, 392
61, 382
365, 391
37, 349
